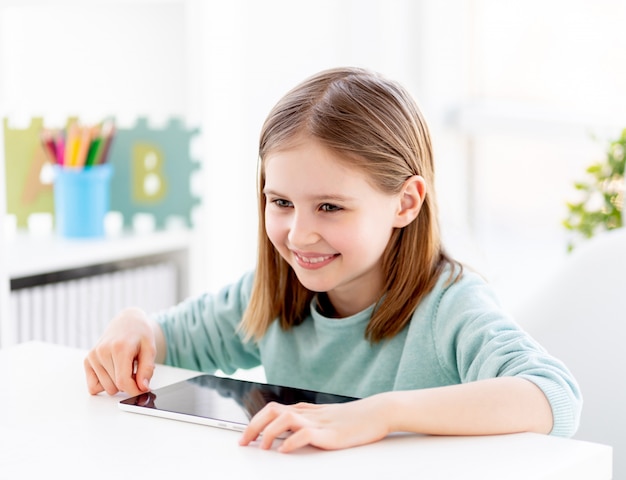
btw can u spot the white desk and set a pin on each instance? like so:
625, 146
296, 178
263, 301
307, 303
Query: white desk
50, 427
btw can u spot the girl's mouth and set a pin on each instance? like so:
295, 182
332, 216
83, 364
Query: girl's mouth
313, 262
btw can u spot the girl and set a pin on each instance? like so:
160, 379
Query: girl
353, 292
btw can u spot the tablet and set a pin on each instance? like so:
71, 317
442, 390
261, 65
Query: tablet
220, 402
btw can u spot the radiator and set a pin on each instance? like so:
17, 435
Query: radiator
75, 311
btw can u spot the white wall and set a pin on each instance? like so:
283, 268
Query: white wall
4, 279
512, 91
94, 59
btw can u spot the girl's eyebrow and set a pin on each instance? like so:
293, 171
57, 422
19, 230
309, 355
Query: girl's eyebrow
327, 197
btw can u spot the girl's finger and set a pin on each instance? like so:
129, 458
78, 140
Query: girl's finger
93, 384
259, 422
145, 367
296, 440
286, 421
104, 376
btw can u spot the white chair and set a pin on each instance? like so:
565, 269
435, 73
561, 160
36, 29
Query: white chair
579, 315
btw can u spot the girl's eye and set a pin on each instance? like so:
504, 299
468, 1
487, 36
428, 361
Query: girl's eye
279, 202
329, 207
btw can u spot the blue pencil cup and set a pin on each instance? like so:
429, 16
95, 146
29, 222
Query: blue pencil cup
81, 200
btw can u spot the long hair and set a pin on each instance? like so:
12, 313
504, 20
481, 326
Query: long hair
374, 125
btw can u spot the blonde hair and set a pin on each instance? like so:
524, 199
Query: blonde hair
375, 125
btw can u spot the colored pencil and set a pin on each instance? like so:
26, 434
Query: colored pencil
49, 147
108, 133
84, 141
80, 146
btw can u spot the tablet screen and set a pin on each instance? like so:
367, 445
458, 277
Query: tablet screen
220, 402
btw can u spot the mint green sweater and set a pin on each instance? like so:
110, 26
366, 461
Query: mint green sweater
458, 334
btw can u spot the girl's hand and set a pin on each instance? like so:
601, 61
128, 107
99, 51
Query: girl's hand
329, 426
123, 360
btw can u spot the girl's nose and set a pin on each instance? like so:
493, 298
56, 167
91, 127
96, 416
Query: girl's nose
302, 231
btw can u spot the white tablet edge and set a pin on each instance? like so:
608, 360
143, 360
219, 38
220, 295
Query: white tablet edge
239, 427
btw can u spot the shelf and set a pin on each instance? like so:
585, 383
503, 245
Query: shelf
37, 254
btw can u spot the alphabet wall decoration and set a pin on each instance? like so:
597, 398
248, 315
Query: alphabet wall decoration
152, 172
26, 164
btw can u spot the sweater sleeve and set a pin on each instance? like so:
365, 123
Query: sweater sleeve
201, 332
476, 340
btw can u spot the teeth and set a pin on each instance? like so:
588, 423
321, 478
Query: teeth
314, 259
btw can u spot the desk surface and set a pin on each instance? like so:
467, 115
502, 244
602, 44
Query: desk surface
49, 424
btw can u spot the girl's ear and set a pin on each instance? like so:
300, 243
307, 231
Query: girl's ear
411, 200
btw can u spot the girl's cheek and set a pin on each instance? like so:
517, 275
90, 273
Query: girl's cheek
273, 229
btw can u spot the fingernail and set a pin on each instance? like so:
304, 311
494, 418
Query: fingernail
146, 383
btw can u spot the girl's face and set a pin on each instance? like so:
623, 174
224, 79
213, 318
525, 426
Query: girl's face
329, 223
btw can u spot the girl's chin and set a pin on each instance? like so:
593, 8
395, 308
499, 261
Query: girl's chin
317, 285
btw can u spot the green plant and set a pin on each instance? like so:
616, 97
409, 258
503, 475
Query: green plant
602, 195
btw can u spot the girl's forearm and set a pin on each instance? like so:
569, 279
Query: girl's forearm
494, 406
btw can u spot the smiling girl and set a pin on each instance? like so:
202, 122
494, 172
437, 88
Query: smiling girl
353, 292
